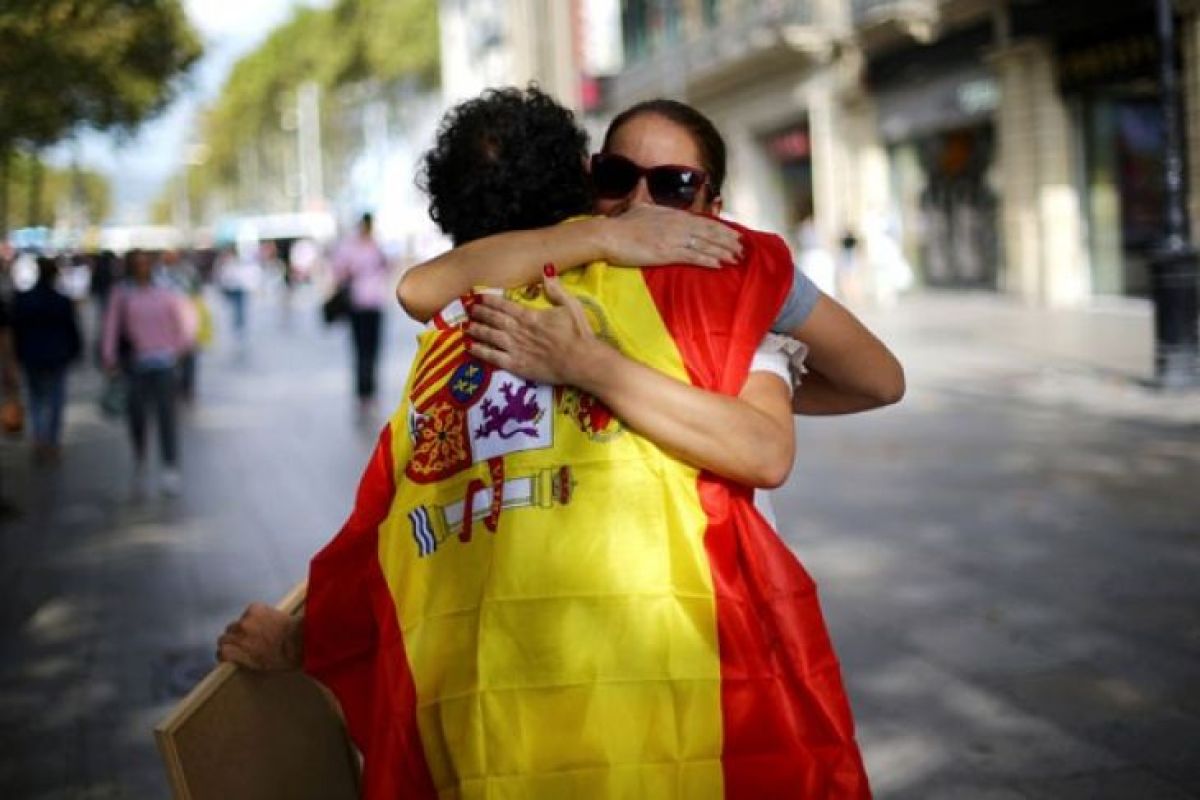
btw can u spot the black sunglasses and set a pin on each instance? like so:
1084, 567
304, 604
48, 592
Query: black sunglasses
614, 177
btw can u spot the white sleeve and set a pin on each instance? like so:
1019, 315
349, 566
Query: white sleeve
772, 361
782, 356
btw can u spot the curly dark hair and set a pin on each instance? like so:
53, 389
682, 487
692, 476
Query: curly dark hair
510, 159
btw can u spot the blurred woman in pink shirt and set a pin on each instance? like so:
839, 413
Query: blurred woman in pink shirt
146, 330
361, 263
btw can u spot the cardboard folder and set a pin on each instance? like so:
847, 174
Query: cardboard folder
245, 735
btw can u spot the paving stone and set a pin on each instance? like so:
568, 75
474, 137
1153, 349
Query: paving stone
1121, 785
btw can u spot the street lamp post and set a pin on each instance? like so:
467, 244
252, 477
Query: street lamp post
1174, 267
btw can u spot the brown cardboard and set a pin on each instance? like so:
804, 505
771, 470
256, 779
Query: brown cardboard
246, 735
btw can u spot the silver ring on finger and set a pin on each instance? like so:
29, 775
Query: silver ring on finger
691, 243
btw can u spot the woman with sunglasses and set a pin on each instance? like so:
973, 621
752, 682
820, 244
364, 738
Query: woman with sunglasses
658, 176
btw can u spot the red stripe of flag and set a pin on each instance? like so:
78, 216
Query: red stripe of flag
353, 643
786, 722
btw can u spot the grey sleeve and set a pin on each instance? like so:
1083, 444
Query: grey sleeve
797, 305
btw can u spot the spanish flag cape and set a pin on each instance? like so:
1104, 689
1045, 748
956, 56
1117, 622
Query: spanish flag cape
531, 601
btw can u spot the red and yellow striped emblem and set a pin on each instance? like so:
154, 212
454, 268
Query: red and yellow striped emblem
447, 352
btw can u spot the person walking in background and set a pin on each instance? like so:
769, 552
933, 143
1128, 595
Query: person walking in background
46, 336
891, 274
10, 385
104, 278
238, 276
361, 263
813, 259
150, 320
201, 330
849, 272
176, 272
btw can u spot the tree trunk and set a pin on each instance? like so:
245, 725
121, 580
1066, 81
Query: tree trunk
37, 175
5, 161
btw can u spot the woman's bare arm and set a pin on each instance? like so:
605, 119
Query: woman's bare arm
850, 370
748, 439
643, 236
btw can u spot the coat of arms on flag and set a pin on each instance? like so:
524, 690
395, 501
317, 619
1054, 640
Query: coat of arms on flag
463, 411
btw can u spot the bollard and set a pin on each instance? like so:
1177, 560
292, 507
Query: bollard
1173, 276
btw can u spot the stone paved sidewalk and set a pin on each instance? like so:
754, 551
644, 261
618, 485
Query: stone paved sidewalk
1008, 559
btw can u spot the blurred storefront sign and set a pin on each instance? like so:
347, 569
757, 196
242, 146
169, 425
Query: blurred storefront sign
1118, 56
793, 144
964, 95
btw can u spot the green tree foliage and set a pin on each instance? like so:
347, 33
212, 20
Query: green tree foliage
107, 64
104, 63
393, 40
39, 193
353, 42
255, 93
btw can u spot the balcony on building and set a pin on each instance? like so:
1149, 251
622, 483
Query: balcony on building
881, 24
694, 49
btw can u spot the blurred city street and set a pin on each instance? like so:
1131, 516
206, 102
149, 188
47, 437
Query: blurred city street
1007, 558
1005, 191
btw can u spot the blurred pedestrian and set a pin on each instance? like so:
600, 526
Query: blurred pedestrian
272, 259
238, 275
9, 386
144, 334
200, 328
849, 272
178, 273
105, 274
361, 263
813, 259
891, 274
8, 262
46, 337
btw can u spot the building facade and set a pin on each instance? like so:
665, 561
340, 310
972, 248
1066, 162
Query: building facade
1004, 145
488, 43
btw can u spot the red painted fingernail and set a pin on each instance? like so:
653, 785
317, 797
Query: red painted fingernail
549, 271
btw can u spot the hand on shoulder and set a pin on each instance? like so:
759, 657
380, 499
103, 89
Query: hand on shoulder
649, 235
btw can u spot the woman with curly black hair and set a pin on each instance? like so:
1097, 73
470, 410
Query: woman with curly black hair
532, 598
479, 184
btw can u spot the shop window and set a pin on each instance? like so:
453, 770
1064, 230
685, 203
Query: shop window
791, 151
1125, 137
634, 24
647, 26
947, 206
